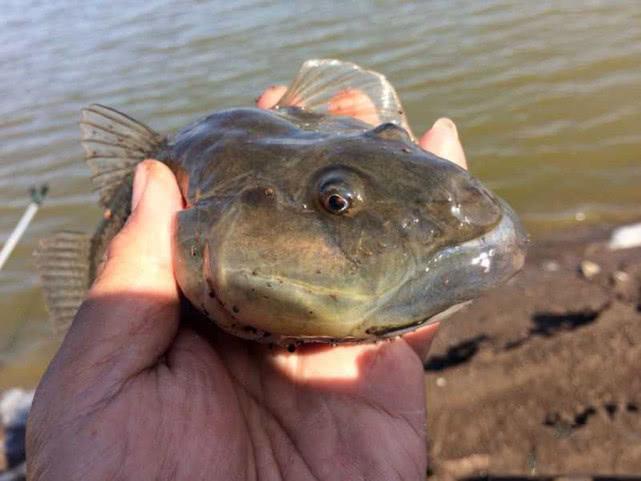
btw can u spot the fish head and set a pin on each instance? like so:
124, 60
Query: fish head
344, 237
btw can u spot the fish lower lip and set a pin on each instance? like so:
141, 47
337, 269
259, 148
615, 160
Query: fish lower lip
384, 332
454, 275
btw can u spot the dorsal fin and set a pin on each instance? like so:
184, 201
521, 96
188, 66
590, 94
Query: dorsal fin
329, 86
114, 143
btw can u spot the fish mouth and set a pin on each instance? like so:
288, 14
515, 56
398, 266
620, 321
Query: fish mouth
452, 276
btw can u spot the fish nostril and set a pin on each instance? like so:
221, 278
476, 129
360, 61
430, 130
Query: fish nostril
260, 195
475, 206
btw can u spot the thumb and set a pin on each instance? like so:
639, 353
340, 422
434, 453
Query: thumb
139, 258
131, 313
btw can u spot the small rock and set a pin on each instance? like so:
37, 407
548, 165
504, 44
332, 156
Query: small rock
620, 277
623, 286
626, 237
589, 269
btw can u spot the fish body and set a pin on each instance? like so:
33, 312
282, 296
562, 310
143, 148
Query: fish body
301, 226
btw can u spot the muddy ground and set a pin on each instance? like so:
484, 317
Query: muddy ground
543, 377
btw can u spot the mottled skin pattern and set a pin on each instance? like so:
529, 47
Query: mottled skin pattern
257, 251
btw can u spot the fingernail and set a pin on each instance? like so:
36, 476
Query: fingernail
140, 183
445, 123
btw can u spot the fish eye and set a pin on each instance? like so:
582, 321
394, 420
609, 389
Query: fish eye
336, 202
339, 190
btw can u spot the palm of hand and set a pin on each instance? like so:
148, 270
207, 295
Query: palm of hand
229, 409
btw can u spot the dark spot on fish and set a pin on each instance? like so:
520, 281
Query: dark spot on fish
254, 272
333, 297
235, 309
258, 196
212, 292
311, 312
318, 271
269, 285
400, 112
291, 347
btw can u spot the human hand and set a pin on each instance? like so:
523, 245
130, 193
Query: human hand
134, 394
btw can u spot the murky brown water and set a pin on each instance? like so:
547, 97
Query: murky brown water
547, 98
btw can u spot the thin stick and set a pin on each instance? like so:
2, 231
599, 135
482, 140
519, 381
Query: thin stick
37, 196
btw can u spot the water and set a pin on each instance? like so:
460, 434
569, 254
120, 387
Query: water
547, 96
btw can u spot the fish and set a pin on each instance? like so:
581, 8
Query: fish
300, 225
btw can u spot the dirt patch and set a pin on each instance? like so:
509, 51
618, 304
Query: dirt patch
543, 376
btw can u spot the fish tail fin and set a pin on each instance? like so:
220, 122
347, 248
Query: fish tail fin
114, 144
63, 261
336, 87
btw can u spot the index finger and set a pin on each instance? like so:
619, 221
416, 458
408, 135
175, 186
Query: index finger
443, 140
